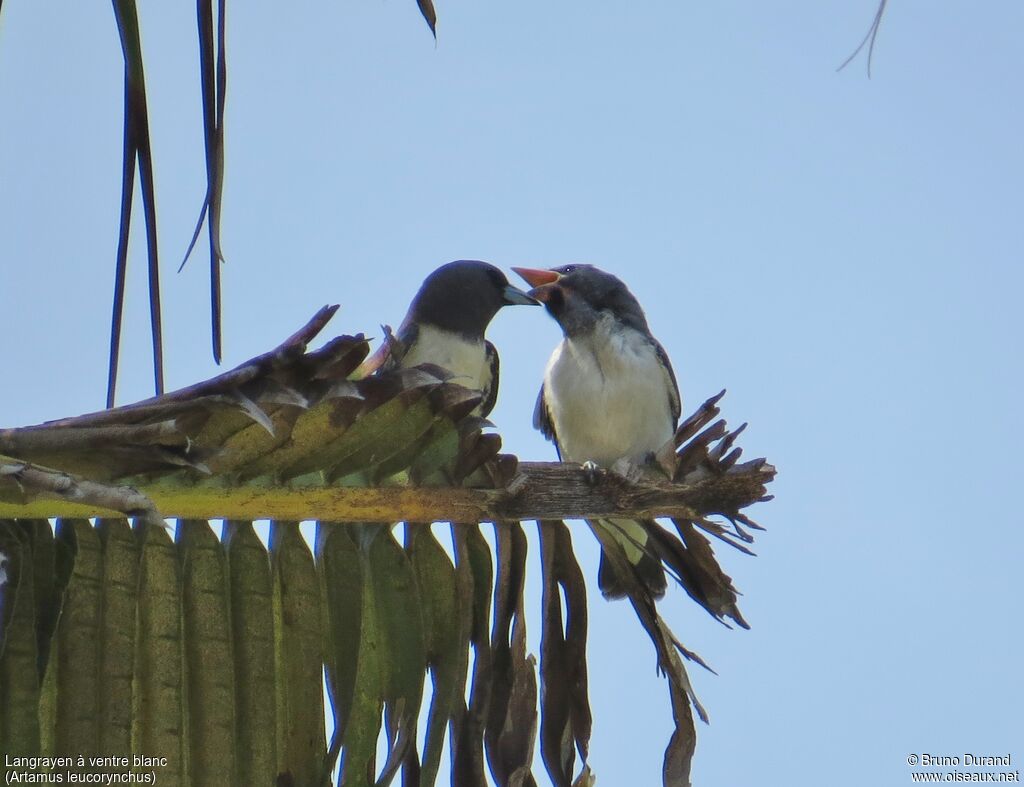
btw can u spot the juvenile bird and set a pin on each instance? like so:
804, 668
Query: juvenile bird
445, 326
609, 393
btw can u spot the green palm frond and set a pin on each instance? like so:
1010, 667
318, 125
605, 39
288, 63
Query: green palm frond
205, 650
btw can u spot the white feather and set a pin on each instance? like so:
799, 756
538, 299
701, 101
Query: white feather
466, 360
608, 395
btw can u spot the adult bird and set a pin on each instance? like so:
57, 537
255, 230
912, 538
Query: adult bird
609, 394
445, 326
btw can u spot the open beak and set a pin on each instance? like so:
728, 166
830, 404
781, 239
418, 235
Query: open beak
513, 296
536, 277
543, 282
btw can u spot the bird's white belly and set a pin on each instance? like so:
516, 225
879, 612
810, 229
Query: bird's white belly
607, 398
466, 360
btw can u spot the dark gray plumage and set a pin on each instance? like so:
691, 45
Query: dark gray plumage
446, 323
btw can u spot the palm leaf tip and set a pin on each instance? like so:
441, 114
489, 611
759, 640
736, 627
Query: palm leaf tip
429, 14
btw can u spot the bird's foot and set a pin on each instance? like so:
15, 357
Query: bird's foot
591, 472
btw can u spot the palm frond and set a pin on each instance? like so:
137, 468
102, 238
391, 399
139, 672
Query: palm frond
137, 150
213, 72
116, 639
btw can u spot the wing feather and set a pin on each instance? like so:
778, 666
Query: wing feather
489, 386
542, 421
674, 401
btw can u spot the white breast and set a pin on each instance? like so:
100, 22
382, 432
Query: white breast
465, 359
608, 396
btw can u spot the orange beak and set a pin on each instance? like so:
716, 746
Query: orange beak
536, 277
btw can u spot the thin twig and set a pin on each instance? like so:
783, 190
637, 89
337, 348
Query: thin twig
869, 40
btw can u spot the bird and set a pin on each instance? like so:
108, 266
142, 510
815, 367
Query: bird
609, 394
445, 326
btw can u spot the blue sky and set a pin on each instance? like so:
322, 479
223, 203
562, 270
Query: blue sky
843, 255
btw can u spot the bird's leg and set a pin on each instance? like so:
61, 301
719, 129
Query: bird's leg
591, 472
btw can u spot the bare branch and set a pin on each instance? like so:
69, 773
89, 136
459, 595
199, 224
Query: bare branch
53, 490
539, 490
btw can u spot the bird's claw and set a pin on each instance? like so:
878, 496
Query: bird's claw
591, 472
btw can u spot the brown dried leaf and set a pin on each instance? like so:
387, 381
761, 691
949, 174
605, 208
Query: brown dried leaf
427, 9
565, 706
510, 731
473, 567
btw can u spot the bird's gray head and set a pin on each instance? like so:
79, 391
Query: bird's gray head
577, 296
463, 296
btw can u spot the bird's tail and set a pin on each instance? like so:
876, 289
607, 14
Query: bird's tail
634, 539
652, 553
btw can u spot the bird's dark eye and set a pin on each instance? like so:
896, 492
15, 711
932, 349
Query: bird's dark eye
565, 269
